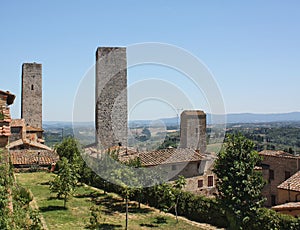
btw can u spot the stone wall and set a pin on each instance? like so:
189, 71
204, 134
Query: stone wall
285, 196
31, 106
193, 130
278, 165
111, 97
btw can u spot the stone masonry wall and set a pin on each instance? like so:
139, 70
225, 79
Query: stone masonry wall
31, 106
111, 97
193, 130
279, 165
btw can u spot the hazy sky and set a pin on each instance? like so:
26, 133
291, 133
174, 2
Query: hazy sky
251, 47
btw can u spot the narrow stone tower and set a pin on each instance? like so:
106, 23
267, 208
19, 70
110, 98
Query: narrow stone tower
111, 97
31, 106
193, 130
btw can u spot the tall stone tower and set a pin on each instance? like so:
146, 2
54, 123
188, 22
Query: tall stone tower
193, 130
111, 97
31, 106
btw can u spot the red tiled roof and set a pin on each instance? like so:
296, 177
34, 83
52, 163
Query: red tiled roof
34, 129
17, 122
277, 154
169, 156
156, 157
31, 157
27, 142
5, 131
287, 206
10, 97
292, 183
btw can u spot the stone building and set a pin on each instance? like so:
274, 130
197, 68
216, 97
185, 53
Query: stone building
31, 106
193, 130
6, 99
26, 143
289, 196
111, 97
26, 137
194, 166
277, 167
289, 190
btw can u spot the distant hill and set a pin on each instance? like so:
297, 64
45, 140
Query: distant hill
255, 118
173, 121
235, 118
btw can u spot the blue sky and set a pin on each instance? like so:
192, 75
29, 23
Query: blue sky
251, 47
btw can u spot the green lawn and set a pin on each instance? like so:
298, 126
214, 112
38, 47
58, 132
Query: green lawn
77, 214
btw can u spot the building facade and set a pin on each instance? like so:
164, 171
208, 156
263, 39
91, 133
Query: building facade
6, 99
193, 130
277, 167
111, 97
31, 106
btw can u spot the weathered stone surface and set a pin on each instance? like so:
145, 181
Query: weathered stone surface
111, 97
193, 130
31, 106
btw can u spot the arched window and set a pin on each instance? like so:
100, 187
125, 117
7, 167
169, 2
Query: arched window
31, 87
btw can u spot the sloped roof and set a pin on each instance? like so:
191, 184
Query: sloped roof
17, 122
287, 206
10, 97
34, 129
156, 157
5, 131
25, 142
169, 156
30, 157
292, 183
281, 154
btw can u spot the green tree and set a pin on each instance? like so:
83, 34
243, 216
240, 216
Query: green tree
239, 184
169, 195
65, 182
178, 185
70, 149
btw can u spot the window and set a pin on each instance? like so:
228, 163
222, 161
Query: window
196, 130
200, 183
271, 174
287, 175
31, 87
210, 181
15, 129
273, 200
174, 167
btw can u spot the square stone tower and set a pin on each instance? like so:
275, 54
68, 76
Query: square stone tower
111, 97
31, 106
193, 130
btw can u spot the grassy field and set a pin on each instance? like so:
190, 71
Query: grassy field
77, 214
214, 147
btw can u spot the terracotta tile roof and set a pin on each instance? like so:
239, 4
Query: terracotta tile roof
34, 129
5, 131
193, 112
287, 206
9, 97
27, 142
169, 156
292, 183
31, 157
17, 123
273, 153
156, 157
